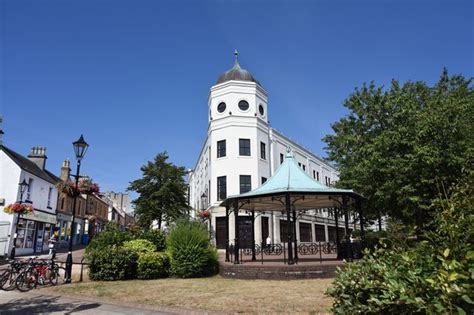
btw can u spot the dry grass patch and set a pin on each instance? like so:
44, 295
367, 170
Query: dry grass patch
214, 294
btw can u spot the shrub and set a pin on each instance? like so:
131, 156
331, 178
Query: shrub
111, 236
153, 265
155, 236
112, 263
190, 250
434, 276
139, 246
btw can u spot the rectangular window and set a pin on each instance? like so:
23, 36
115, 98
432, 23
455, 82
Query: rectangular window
244, 147
221, 148
30, 189
320, 233
304, 167
281, 158
245, 183
305, 232
299, 164
50, 192
263, 151
317, 176
329, 181
221, 188
314, 174
264, 179
283, 231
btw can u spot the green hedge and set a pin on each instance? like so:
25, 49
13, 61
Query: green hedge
433, 276
190, 250
157, 237
153, 265
112, 263
139, 246
111, 236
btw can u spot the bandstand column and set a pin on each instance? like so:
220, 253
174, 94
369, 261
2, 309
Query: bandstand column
227, 233
236, 232
361, 220
338, 241
289, 229
295, 234
253, 236
348, 244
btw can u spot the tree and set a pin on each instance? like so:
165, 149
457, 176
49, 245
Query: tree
162, 192
397, 145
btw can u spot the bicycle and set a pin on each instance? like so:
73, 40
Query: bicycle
9, 275
37, 272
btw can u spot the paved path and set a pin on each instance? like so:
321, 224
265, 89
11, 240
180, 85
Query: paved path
14, 302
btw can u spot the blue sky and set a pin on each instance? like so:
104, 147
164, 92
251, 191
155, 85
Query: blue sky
134, 76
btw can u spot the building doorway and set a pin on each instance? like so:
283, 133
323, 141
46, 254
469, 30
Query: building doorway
221, 232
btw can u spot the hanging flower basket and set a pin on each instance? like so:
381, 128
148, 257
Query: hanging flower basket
206, 214
68, 188
85, 186
18, 207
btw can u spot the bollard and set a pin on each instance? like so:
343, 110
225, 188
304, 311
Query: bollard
82, 269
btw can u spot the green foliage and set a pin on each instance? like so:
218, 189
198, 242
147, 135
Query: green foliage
435, 276
162, 192
190, 250
111, 236
139, 246
153, 265
397, 143
112, 263
157, 237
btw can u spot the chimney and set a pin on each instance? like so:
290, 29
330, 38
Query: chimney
65, 170
38, 156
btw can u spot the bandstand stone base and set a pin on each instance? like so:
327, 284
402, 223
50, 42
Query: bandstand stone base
280, 271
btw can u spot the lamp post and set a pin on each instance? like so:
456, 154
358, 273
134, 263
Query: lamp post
23, 186
80, 148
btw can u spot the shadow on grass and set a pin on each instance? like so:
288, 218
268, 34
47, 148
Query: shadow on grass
44, 304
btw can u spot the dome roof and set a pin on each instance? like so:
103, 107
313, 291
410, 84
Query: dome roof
236, 73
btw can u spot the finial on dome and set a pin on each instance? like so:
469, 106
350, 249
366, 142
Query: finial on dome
236, 61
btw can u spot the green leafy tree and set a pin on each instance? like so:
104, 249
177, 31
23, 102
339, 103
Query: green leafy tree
162, 192
396, 144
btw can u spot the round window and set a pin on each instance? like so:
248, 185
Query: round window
221, 107
243, 105
261, 110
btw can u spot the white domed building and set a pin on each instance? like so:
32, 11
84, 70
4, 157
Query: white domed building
240, 153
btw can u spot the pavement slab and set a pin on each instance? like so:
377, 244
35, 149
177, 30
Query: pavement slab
33, 302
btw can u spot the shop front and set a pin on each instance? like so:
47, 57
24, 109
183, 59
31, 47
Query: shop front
64, 230
34, 231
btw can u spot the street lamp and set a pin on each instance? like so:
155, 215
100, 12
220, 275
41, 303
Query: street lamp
204, 205
80, 147
23, 186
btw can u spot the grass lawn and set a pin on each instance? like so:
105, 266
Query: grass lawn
214, 294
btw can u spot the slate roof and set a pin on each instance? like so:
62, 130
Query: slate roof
28, 166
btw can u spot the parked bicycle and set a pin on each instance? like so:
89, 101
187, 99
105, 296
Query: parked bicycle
26, 275
9, 275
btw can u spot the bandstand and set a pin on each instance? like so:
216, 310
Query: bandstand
292, 192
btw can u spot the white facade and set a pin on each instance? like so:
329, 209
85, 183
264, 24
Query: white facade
34, 230
267, 147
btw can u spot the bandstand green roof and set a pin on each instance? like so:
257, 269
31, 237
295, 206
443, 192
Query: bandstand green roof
290, 179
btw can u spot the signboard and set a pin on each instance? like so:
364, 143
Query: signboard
40, 216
